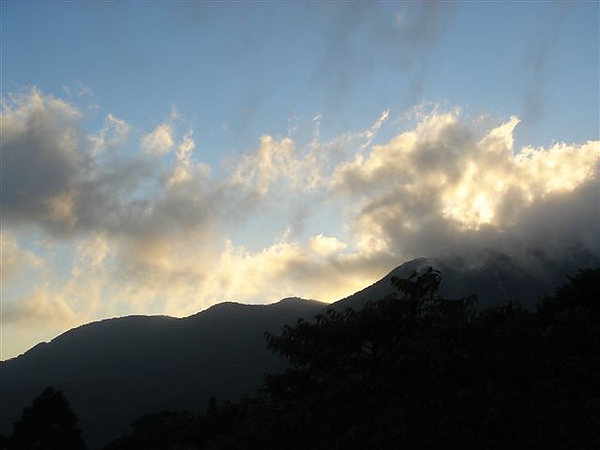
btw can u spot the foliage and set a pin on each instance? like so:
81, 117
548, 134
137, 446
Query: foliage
163, 430
420, 372
48, 424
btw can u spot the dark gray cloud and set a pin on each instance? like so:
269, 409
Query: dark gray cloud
42, 160
61, 180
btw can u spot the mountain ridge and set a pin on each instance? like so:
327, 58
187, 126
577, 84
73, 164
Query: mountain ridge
114, 370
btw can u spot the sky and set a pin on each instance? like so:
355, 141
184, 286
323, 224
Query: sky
162, 157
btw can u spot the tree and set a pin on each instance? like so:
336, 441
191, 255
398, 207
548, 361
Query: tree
48, 424
4, 442
354, 370
419, 288
416, 371
582, 290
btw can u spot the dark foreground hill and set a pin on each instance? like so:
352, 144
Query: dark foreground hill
115, 370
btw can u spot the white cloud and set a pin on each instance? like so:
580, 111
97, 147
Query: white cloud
15, 259
41, 306
91, 254
325, 245
159, 141
262, 167
113, 134
185, 170
440, 189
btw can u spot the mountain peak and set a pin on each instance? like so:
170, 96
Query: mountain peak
295, 301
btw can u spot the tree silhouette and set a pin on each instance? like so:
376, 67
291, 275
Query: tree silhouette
48, 424
416, 371
418, 288
4, 442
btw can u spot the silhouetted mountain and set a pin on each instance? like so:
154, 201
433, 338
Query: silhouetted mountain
494, 278
115, 370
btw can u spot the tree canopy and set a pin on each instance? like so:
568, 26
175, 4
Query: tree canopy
420, 372
48, 424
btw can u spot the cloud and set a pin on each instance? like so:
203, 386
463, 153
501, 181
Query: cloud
185, 170
272, 161
158, 232
287, 268
446, 188
42, 160
41, 306
538, 63
15, 260
326, 245
124, 209
113, 134
67, 182
159, 141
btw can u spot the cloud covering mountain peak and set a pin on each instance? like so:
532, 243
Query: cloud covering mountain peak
118, 219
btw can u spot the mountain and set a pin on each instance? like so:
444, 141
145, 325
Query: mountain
494, 278
115, 370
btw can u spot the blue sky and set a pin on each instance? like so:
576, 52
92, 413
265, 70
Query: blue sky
243, 67
160, 157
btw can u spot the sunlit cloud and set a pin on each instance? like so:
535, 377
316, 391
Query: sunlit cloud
15, 259
158, 141
326, 245
40, 306
113, 134
151, 229
442, 188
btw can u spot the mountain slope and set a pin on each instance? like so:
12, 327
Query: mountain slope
115, 370
494, 278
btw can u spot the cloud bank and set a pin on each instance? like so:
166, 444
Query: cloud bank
120, 221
